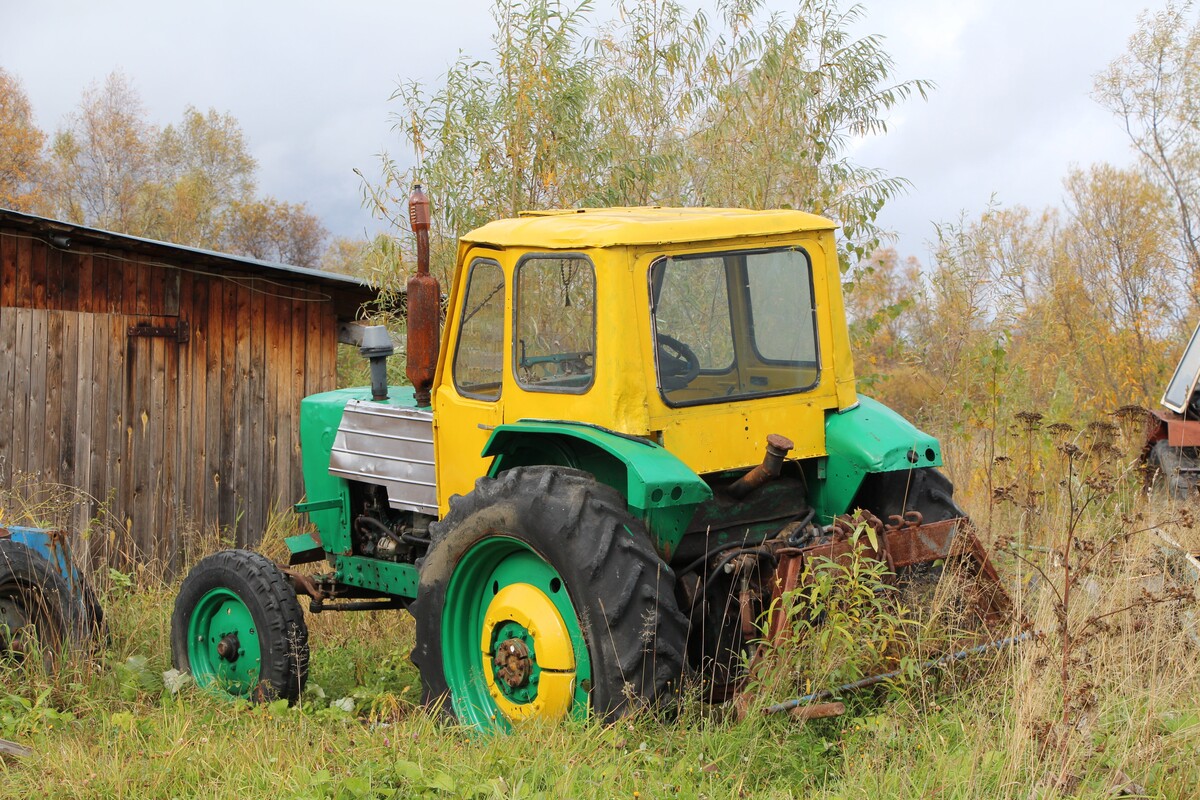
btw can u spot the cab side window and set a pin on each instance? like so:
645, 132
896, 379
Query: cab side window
554, 341
479, 358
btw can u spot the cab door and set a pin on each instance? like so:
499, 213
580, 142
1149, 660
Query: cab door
468, 404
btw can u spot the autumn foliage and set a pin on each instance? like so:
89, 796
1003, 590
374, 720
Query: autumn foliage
1072, 312
107, 166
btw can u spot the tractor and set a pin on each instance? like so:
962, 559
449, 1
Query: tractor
1171, 455
636, 429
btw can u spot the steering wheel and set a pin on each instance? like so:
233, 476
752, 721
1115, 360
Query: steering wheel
678, 364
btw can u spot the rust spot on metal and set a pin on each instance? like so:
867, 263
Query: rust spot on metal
228, 647
512, 663
818, 711
424, 305
303, 583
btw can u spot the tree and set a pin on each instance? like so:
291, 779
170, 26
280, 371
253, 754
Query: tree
20, 148
190, 183
1125, 272
272, 230
1155, 89
662, 107
102, 158
202, 166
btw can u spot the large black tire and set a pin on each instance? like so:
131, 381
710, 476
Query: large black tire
268, 619
620, 591
925, 490
38, 613
1164, 463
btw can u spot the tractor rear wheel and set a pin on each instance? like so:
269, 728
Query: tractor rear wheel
39, 616
238, 628
541, 597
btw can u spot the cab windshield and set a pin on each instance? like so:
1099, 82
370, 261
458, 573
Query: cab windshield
732, 325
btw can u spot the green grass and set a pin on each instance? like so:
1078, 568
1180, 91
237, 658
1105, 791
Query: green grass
107, 728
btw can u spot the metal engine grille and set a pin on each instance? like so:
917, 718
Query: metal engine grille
391, 447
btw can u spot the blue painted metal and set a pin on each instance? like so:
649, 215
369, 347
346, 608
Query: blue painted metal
53, 547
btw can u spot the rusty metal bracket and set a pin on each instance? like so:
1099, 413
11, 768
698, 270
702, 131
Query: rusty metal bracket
180, 331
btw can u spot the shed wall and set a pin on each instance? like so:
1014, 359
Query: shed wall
167, 394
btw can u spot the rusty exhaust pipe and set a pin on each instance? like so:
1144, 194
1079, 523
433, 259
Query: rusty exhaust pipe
777, 449
424, 305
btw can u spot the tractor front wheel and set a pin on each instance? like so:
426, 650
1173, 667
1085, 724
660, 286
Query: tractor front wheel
541, 596
238, 628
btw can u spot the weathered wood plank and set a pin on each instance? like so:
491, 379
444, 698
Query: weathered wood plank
279, 347
129, 288
23, 297
35, 431
145, 281
39, 256
81, 275
103, 447
173, 281
214, 395
119, 440
242, 403
82, 447
182, 432
156, 491
68, 413
256, 492
8, 398
8, 270
227, 418
22, 353
60, 293
174, 470
102, 284
193, 443
52, 448
156, 290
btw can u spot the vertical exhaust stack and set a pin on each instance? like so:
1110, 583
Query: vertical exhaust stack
424, 304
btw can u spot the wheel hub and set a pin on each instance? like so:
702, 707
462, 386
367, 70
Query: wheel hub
228, 647
513, 665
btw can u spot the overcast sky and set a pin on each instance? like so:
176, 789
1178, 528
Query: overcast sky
310, 81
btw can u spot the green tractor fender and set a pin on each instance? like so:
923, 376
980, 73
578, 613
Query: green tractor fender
868, 438
658, 488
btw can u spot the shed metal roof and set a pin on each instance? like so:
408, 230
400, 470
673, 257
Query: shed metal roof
81, 234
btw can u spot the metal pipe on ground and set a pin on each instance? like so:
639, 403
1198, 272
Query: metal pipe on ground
872, 680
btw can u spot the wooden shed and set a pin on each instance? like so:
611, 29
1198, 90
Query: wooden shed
162, 382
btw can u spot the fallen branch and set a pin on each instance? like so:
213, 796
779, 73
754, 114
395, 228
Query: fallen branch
13, 749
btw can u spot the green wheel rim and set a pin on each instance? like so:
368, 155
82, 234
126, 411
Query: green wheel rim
224, 650
484, 571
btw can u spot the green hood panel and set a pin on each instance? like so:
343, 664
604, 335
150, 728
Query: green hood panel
867, 438
877, 439
328, 496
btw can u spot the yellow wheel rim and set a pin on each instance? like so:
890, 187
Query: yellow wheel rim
522, 616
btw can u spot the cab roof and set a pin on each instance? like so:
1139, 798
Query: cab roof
577, 228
